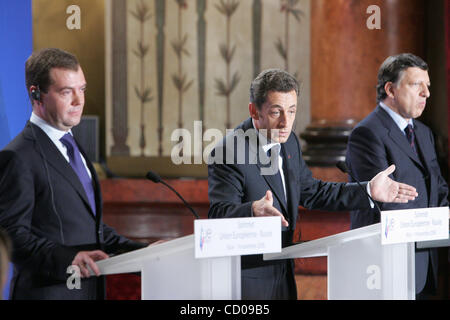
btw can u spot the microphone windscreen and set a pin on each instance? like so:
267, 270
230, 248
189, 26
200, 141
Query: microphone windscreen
342, 166
153, 176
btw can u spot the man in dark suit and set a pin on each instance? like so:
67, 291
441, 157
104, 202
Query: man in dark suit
50, 198
392, 135
264, 174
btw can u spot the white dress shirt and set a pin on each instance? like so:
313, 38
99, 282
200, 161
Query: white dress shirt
55, 135
267, 145
401, 122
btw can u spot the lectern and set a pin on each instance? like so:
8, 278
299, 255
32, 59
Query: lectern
170, 271
359, 267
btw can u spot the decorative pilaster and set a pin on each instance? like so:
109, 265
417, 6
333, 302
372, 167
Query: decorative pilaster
345, 58
119, 79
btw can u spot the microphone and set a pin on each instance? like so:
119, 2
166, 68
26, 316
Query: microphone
153, 176
343, 167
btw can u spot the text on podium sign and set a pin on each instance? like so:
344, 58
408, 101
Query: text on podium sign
237, 236
412, 225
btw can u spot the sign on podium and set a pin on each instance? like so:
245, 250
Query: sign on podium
361, 267
206, 265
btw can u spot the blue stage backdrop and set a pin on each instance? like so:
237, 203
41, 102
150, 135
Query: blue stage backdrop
17, 44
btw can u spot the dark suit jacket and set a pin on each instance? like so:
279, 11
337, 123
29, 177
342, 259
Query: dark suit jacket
233, 187
45, 210
376, 143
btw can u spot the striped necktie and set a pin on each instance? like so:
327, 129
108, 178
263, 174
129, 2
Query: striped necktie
78, 166
409, 130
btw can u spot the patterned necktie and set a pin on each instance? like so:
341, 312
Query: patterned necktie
79, 168
409, 130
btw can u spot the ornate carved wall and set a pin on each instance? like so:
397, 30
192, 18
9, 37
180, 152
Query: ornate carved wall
173, 62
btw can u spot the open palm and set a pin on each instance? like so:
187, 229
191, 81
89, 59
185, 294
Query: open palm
384, 189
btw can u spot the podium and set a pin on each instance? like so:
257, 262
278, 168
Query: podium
170, 271
359, 267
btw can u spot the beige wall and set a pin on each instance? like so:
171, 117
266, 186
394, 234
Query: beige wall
90, 46
50, 30
142, 74
215, 105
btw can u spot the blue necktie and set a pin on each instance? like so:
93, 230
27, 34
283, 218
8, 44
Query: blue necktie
79, 168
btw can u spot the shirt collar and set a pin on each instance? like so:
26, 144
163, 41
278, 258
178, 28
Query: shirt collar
401, 122
53, 133
265, 144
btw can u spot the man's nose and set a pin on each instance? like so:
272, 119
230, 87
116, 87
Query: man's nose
78, 98
425, 92
282, 119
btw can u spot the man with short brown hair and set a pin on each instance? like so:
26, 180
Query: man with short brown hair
50, 198
246, 190
391, 134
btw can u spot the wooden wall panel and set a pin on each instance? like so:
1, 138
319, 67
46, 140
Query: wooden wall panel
145, 211
346, 55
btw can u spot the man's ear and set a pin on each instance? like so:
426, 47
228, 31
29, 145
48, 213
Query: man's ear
253, 110
389, 88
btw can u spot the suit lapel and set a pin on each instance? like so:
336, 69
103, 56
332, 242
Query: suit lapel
291, 178
397, 136
96, 184
56, 160
277, 189
400, 140
255, 153
422, 145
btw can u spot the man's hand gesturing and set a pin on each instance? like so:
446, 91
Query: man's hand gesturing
264, 208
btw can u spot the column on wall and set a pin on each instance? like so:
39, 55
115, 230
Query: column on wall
345, 56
